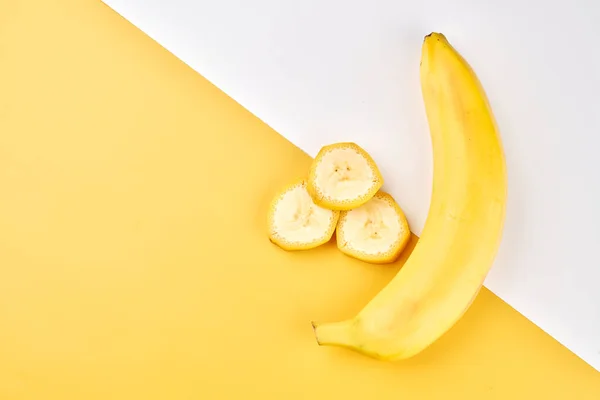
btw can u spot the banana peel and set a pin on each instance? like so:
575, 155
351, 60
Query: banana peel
463, 229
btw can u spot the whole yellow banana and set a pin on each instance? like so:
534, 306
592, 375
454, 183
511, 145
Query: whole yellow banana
463, 230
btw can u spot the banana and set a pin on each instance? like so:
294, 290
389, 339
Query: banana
295, 222
375, 232
343, 176
463, 230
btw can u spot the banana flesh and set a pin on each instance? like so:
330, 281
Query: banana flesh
375, 232
463, 230
296, 222
343, 176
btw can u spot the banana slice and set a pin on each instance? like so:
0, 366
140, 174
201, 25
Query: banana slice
296, 222
343, 176
375, 232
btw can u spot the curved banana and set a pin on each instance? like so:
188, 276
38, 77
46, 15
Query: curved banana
463, 230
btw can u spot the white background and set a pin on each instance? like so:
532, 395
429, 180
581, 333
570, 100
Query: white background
332, 70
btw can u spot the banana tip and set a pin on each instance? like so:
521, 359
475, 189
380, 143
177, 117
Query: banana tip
314, 327
435, 35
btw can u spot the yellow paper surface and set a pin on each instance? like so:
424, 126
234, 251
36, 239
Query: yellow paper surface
134, 262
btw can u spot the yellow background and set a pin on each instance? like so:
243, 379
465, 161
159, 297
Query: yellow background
133, 257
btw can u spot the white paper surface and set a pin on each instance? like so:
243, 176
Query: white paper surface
325, 71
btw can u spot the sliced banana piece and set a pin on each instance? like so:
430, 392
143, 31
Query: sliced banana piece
295, 222
375, 232
343, 176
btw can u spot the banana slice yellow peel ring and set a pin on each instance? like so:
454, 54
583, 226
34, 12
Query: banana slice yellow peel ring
376, 232
343, 176
295, 222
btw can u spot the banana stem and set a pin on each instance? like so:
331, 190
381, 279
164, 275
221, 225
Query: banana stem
334, 333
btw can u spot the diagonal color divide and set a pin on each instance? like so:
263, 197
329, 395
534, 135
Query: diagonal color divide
133, 257
327, 71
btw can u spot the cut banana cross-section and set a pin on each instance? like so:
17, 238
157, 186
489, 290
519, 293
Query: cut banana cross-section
375, 232
343, 176
296, 222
